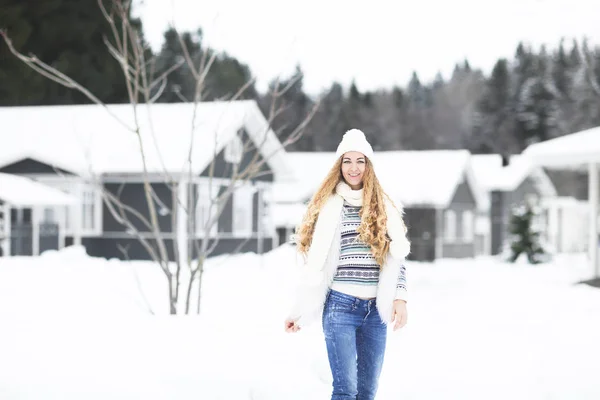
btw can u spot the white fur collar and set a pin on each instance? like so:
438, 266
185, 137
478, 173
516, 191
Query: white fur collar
323, 256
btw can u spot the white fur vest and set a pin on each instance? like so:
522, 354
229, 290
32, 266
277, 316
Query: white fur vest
322, 260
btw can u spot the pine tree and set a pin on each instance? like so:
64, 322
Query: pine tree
416, 91
68, 35
352, 108
524, 238
457, 104
294, 104
538, 110
417, 133
329, 123
494, 119
586, 92
467, 66
524, 67
524, 75
227, 76
561, 71
359, 112
180, 85
438, 81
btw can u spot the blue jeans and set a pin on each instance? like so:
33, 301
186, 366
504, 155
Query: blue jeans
355, 337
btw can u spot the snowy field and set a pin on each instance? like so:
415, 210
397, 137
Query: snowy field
74, 327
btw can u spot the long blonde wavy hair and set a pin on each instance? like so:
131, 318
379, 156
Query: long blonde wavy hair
373, 226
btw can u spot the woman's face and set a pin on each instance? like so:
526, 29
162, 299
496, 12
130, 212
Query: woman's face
353, 169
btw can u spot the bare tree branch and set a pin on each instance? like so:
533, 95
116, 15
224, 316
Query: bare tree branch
143, 89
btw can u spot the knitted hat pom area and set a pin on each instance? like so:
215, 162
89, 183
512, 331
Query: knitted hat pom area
354, 140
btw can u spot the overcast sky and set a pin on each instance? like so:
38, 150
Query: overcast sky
377, 42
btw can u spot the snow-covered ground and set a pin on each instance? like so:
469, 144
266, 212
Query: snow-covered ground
74, 327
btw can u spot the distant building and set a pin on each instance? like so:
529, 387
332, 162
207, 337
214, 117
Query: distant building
89, 156
509, 182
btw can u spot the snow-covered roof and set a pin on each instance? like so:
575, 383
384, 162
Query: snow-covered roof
426, 178
87, 139
571, 150
411, 178
491, 175
310, 168
24, 192
288, 214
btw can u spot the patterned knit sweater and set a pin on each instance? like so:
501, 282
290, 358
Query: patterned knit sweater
358, 272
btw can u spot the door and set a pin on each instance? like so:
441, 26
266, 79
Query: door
3, 230
21, 232
421, 226
48, 236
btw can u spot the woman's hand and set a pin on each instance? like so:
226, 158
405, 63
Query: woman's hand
400, 314
291, 326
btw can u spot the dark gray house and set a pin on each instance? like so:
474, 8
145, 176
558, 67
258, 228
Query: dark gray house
437, 189
441, 200
190, 165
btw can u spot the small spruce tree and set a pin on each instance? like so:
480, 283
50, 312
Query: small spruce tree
524, 238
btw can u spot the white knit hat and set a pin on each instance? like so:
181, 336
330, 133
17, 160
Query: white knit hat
354, 140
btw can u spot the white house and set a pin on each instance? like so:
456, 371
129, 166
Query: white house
507, 183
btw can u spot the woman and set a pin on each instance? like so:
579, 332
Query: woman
354, 242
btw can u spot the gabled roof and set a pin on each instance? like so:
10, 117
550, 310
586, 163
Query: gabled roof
25, 192
310, 168
427, 178
412, 178
87, 140
575, 149
491, 175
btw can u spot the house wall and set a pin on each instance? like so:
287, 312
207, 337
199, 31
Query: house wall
133, 249
283, 235
223, 169
497, 217
460, 247
124, 248
132, 194
4, 227
520, 194
569, 183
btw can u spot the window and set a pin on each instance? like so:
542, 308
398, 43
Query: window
234, 150
243, 203
88, 208
207, 208
3, 224
449, 226
468, 223
84, 218
49, 215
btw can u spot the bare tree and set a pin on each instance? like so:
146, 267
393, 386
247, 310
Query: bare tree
183, 272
